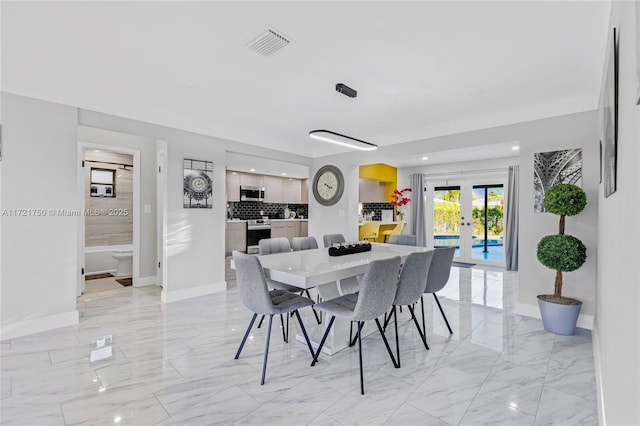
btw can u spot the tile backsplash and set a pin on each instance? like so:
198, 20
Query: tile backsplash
252, 209
376, 208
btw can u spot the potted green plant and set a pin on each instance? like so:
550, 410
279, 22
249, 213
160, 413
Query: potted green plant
563, 253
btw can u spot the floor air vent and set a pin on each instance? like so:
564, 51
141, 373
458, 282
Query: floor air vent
268, 43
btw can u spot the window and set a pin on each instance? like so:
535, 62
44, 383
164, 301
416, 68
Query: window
103, 183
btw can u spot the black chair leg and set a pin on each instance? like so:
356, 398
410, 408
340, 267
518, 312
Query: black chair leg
386, 343
442, 312
395, 323
387, 318
244, 339
260, 323
266, 350
423, 333
304, 332
285, 331
324, 338
318, 319
422, 306
360, 355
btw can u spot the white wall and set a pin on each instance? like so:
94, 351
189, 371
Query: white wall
556, 133
342, 217
617, 323
39, 263
194, 240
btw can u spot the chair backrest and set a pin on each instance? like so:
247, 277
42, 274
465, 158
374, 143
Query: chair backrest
405, 240
304, 243
331, 239
273, 245
369, 229
413, 277
440, 269
397, 229
252, 283
377, 289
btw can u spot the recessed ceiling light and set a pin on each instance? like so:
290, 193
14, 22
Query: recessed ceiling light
252, 170
283, 174
515, 147
96, 150
425, 158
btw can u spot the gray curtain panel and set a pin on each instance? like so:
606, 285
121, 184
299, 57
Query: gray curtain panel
511, 220
418, 225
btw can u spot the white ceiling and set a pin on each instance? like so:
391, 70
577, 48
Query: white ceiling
422, 69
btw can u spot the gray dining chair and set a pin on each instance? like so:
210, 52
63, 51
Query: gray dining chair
281, 245
402, 239
374, 299
331, 239
255, 294
439, 272
410, 287
273, 245
304, 243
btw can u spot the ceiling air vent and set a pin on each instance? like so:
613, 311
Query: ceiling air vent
268, 43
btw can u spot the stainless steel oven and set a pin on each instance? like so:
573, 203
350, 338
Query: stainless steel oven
257, 229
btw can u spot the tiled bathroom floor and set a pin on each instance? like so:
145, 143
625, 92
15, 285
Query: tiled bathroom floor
173, 364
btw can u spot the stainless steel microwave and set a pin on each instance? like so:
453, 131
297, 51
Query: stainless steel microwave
251, 193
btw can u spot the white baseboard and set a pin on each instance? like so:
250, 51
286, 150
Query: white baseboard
597, 361
145, 281
532, 311
188, 293
37, 325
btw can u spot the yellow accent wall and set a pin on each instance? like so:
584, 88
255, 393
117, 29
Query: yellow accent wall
382, 173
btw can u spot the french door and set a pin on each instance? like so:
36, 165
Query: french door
470, 216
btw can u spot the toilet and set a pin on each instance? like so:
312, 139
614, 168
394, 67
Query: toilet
125, 262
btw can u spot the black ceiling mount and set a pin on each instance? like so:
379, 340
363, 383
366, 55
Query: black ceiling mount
346, 90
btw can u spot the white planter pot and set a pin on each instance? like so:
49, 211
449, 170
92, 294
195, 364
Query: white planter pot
558, 318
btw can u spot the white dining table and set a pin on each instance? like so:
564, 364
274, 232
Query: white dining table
315, 268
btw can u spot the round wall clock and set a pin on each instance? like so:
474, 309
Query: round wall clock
328, 185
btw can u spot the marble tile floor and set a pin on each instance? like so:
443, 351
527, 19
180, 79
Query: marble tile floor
173, 365
101, 285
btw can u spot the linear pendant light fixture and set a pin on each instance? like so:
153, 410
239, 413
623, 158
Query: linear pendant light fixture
337, 138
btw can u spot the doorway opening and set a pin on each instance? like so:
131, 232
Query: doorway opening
470, 216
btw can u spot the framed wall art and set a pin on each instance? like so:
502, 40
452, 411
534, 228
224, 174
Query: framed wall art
638, 51
197, 184
554, 167
609, 107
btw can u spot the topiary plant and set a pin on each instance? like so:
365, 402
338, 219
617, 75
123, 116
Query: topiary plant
563, 253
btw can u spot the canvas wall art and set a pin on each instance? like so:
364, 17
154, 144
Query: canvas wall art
609, 106
197, 184
555, 167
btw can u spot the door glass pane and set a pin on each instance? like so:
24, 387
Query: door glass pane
446, 217
488, 222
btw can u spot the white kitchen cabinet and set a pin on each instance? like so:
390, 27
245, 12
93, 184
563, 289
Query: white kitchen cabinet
291, 191
273, 189
304, 191
233, 186
251, 179
235, 236
371, 191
